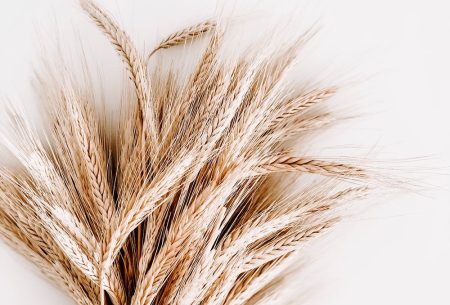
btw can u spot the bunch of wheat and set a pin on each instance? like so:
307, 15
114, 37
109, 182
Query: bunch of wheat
187, 202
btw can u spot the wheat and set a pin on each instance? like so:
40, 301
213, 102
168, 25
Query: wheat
184, 36
287, 163
188, 201
298, 105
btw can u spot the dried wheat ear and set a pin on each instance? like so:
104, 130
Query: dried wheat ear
188, 202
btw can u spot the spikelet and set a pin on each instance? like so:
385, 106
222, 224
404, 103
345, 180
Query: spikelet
189, 203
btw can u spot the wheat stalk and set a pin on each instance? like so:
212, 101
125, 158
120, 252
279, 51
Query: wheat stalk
188, 201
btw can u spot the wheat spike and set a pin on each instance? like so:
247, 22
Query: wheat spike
184, 36
307, 165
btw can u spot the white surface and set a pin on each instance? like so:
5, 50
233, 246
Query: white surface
396, 252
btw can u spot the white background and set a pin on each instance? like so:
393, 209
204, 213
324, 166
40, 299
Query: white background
396, 52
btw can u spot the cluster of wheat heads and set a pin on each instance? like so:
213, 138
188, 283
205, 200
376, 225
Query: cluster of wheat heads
189, 202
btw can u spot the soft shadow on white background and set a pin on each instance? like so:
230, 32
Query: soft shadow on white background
395, 252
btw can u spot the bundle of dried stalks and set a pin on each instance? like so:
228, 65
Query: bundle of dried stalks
188, 203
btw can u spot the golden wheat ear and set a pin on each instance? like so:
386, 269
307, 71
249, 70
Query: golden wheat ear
198, 199
183, 36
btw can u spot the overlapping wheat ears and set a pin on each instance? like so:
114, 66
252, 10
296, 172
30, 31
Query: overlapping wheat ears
189, 201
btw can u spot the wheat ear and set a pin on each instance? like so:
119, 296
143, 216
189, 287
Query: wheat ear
184, 36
